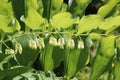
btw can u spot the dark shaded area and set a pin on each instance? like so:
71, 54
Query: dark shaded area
93, 7
66, 1
59, 71
36, 64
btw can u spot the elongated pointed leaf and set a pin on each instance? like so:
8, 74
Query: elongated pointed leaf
33, 19
10, 73
19, 10
110, 23
105, 54
47, 8
5, 24
62, 20
88, 23
57, 56
4, 58
107, 8
117, 71
46, 56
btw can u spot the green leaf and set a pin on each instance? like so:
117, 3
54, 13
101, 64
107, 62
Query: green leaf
28, 55
118, 48
62, 20
116, 71
73, 62
19, 10
26, 75
32, 4
4, 58
46, 58
84, 54
47, 7
5, 8
71, 58
108, 7
105, 54
56, 6
57, 56
88, 23
77, 7
110, 23
64, 7
7, 24
10, 73
95, 36
33, 19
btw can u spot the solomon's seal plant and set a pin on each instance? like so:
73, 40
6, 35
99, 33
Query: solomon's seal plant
54, 40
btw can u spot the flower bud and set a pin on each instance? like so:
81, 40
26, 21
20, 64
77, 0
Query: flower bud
33, 44
9, 51
80, 45
71, 43
53, 41
61, 42
18, 48
41, 43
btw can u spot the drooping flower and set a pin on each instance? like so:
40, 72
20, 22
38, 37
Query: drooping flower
80, 44
41, 43
32, 44
53, 41
18, 48
9, 51
61, 42
71, 43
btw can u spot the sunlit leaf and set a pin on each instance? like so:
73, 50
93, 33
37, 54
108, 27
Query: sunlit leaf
95, 36
33, 19
32, 3
88, 23
7, 24
5, 8
62, 20
56, 6
110, 23
107, 8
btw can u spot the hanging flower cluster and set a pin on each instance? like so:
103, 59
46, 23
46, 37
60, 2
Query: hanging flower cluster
40, 43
